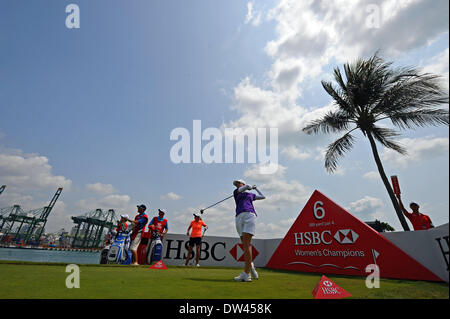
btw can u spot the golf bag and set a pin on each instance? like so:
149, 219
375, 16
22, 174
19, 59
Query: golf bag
104, 254
143, 248
155, 250
120, 253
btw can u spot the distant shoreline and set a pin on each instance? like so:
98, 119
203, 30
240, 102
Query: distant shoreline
96, 250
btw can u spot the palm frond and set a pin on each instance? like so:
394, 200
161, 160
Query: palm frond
339, 97
384, 136
411, 92
331, 122
420, 118
336, 150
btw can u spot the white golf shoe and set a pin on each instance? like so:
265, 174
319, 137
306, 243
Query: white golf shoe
254, 272
243, 277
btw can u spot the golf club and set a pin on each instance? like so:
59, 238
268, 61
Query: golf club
202, 210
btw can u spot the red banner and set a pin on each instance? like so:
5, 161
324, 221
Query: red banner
326, 238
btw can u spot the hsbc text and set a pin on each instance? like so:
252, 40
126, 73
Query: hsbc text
215, 251
313, 238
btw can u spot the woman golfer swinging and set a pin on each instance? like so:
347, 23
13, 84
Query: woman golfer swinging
246, 224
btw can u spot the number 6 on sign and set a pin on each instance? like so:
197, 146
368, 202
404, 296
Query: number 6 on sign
319, 209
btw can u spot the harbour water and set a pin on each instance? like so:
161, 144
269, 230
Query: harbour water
41, 255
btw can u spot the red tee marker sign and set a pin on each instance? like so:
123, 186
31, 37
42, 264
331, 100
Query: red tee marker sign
395, 185
327, 289
235, 252
326, 238
158, 265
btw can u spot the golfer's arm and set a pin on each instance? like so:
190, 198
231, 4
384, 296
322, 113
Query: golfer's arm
244, 188
260, 195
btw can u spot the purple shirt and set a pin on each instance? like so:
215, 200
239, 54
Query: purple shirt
244, 202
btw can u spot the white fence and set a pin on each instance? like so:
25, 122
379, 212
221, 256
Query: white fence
216, 251
428, 247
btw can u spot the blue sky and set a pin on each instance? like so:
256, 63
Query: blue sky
92, 109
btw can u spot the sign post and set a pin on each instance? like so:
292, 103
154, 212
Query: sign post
395, 185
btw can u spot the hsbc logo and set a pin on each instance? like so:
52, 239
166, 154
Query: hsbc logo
346, 236
342, 236
238, 252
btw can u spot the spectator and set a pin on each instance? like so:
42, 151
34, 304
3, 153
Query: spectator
418, 220
122, 226
159, 224
138, 223
195, 238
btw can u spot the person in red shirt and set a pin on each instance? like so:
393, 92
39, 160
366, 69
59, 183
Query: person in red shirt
159, 224
195, 238
418, 220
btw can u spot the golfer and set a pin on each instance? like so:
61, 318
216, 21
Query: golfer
246, 224
195, 238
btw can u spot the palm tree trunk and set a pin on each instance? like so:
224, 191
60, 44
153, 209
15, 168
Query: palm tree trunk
397, 208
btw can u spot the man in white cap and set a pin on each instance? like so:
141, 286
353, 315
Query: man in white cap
246, 224
195, 238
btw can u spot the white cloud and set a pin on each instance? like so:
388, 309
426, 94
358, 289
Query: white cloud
439, 65
102, 189
371, 208
29, 172
419, 150
252, 16
170, 196
313, 34
293, 152
265, 108
120, 203
372, 175
31, 183
283, 193
365, 204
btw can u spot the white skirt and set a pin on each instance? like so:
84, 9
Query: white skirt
246, 223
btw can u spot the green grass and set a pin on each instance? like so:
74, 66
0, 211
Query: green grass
37, 280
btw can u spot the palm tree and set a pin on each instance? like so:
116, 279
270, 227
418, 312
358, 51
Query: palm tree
373, 91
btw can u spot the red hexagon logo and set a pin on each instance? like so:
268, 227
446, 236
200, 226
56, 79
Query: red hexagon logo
238, 250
